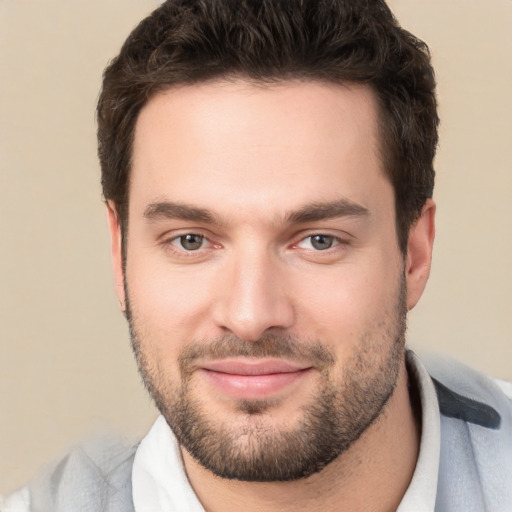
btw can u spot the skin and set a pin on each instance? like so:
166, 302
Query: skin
252, 156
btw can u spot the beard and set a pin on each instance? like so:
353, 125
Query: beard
334, 416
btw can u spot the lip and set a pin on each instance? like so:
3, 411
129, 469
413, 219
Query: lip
242, 366
252, 379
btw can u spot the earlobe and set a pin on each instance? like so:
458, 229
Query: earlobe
116, 252
419, 253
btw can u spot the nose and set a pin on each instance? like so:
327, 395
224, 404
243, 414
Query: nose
252, 297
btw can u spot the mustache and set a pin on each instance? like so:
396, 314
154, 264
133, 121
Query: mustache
269, 345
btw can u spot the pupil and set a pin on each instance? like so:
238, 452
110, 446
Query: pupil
321, 242
191, 242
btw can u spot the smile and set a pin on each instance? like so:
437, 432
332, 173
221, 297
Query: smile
252, 380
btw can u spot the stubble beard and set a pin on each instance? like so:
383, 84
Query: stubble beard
332, 420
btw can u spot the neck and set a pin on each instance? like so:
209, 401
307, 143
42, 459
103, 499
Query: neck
372, 475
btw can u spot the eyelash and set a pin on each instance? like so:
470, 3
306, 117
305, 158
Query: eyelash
171, 244
335, 241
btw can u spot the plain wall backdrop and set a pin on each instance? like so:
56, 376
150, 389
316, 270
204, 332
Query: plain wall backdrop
66, 370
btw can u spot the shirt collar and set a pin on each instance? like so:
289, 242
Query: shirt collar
159, 481
421, 493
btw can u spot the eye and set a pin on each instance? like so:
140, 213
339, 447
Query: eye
189, 242
318, 242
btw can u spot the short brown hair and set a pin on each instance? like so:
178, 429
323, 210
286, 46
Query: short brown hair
342, 41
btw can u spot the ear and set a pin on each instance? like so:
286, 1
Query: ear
419, 253
116, 252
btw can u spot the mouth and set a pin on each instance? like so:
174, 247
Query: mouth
252, 379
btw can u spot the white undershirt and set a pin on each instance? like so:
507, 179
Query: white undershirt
160, 483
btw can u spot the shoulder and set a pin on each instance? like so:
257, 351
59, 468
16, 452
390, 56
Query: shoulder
475, 470
470, 395
94, 476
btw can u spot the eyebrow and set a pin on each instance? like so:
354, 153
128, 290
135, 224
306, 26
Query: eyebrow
312, 212
330, 210
168, 210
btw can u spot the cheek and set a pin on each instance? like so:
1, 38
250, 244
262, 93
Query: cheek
341, 306
168, 304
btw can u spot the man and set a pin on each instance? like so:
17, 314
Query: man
268, 173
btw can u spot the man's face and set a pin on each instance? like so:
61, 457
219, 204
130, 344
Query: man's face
264, 282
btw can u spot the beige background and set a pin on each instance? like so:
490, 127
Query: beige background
66, 369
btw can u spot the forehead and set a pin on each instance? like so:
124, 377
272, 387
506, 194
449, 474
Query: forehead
237, 144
